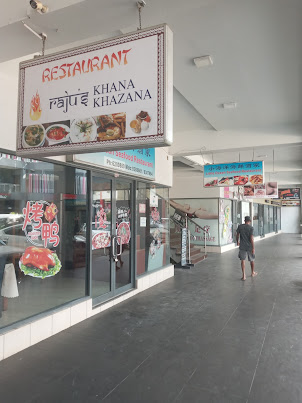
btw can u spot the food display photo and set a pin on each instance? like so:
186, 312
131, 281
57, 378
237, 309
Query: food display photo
141, 123
241, 180
211, 182
48, 134
101, 240
271, 189
256, 179
39, 262
111, 127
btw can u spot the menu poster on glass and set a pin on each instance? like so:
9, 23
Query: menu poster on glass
269, 189
234, 174
101, 231
110, 95
41, 228
289, 193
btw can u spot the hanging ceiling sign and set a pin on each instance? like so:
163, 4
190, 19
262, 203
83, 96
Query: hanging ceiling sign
269, 189
234, 174
114, 94
289, 193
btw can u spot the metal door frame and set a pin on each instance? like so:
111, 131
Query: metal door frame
113, 291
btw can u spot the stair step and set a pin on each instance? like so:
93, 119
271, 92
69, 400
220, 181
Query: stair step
198, 258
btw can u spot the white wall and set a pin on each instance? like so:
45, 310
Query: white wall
290, 220
163, 167
190, 185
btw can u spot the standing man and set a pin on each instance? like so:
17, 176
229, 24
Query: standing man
246, 245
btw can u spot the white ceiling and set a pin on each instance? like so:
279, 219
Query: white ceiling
257, 53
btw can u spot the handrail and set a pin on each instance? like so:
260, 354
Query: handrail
197, 225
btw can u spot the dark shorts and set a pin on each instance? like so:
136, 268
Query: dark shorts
243, 253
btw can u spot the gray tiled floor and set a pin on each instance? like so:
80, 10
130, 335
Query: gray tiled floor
203, 336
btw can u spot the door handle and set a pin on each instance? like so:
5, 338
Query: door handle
119, 239
113, 243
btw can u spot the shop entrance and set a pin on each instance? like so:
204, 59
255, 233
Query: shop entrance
111, 237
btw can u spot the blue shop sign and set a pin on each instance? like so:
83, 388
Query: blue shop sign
133, 162
234, 174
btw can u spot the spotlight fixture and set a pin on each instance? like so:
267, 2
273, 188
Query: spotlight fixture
203, 61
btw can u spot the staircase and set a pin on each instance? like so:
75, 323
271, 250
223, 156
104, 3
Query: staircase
197, 252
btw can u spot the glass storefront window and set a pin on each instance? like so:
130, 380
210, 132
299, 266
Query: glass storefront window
271, 219
153, 227
266, 220
43, 208
255, 219
279, 218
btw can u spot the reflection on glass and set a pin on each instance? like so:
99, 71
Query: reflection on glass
255, 219
153, 227
42, 211
101, 236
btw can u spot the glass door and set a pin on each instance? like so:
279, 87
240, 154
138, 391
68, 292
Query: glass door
111, 242
123, 259
101, 237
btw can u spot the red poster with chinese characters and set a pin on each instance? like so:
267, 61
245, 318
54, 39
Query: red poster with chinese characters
41, 229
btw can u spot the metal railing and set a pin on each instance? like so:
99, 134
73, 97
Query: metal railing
183, 224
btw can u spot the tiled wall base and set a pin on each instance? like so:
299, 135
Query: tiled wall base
226, 248
27, 335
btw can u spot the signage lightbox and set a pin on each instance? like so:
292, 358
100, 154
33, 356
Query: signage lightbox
139, 162
289, 193
234, 174
114, 94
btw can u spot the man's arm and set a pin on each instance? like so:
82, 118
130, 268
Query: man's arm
237, 238
253, 244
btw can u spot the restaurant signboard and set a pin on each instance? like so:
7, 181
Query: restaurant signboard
289, 193
110, 95
234, 174
139, 162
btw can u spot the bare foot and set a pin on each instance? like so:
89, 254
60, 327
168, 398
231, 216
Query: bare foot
254, 274
243, 278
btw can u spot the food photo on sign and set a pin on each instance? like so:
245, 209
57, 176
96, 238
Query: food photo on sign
114, 94
269, 189
41, 229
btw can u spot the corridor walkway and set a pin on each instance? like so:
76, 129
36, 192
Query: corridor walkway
203, 336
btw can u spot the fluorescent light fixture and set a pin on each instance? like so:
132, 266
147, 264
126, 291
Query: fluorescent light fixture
229, 105
262, 156
203, 61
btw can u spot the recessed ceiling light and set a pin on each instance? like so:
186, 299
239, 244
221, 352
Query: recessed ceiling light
203, 61
262, 156
229, 105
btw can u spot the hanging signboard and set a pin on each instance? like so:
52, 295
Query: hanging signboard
289, 193
114, 94
234, 174
139, 162
269, 189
